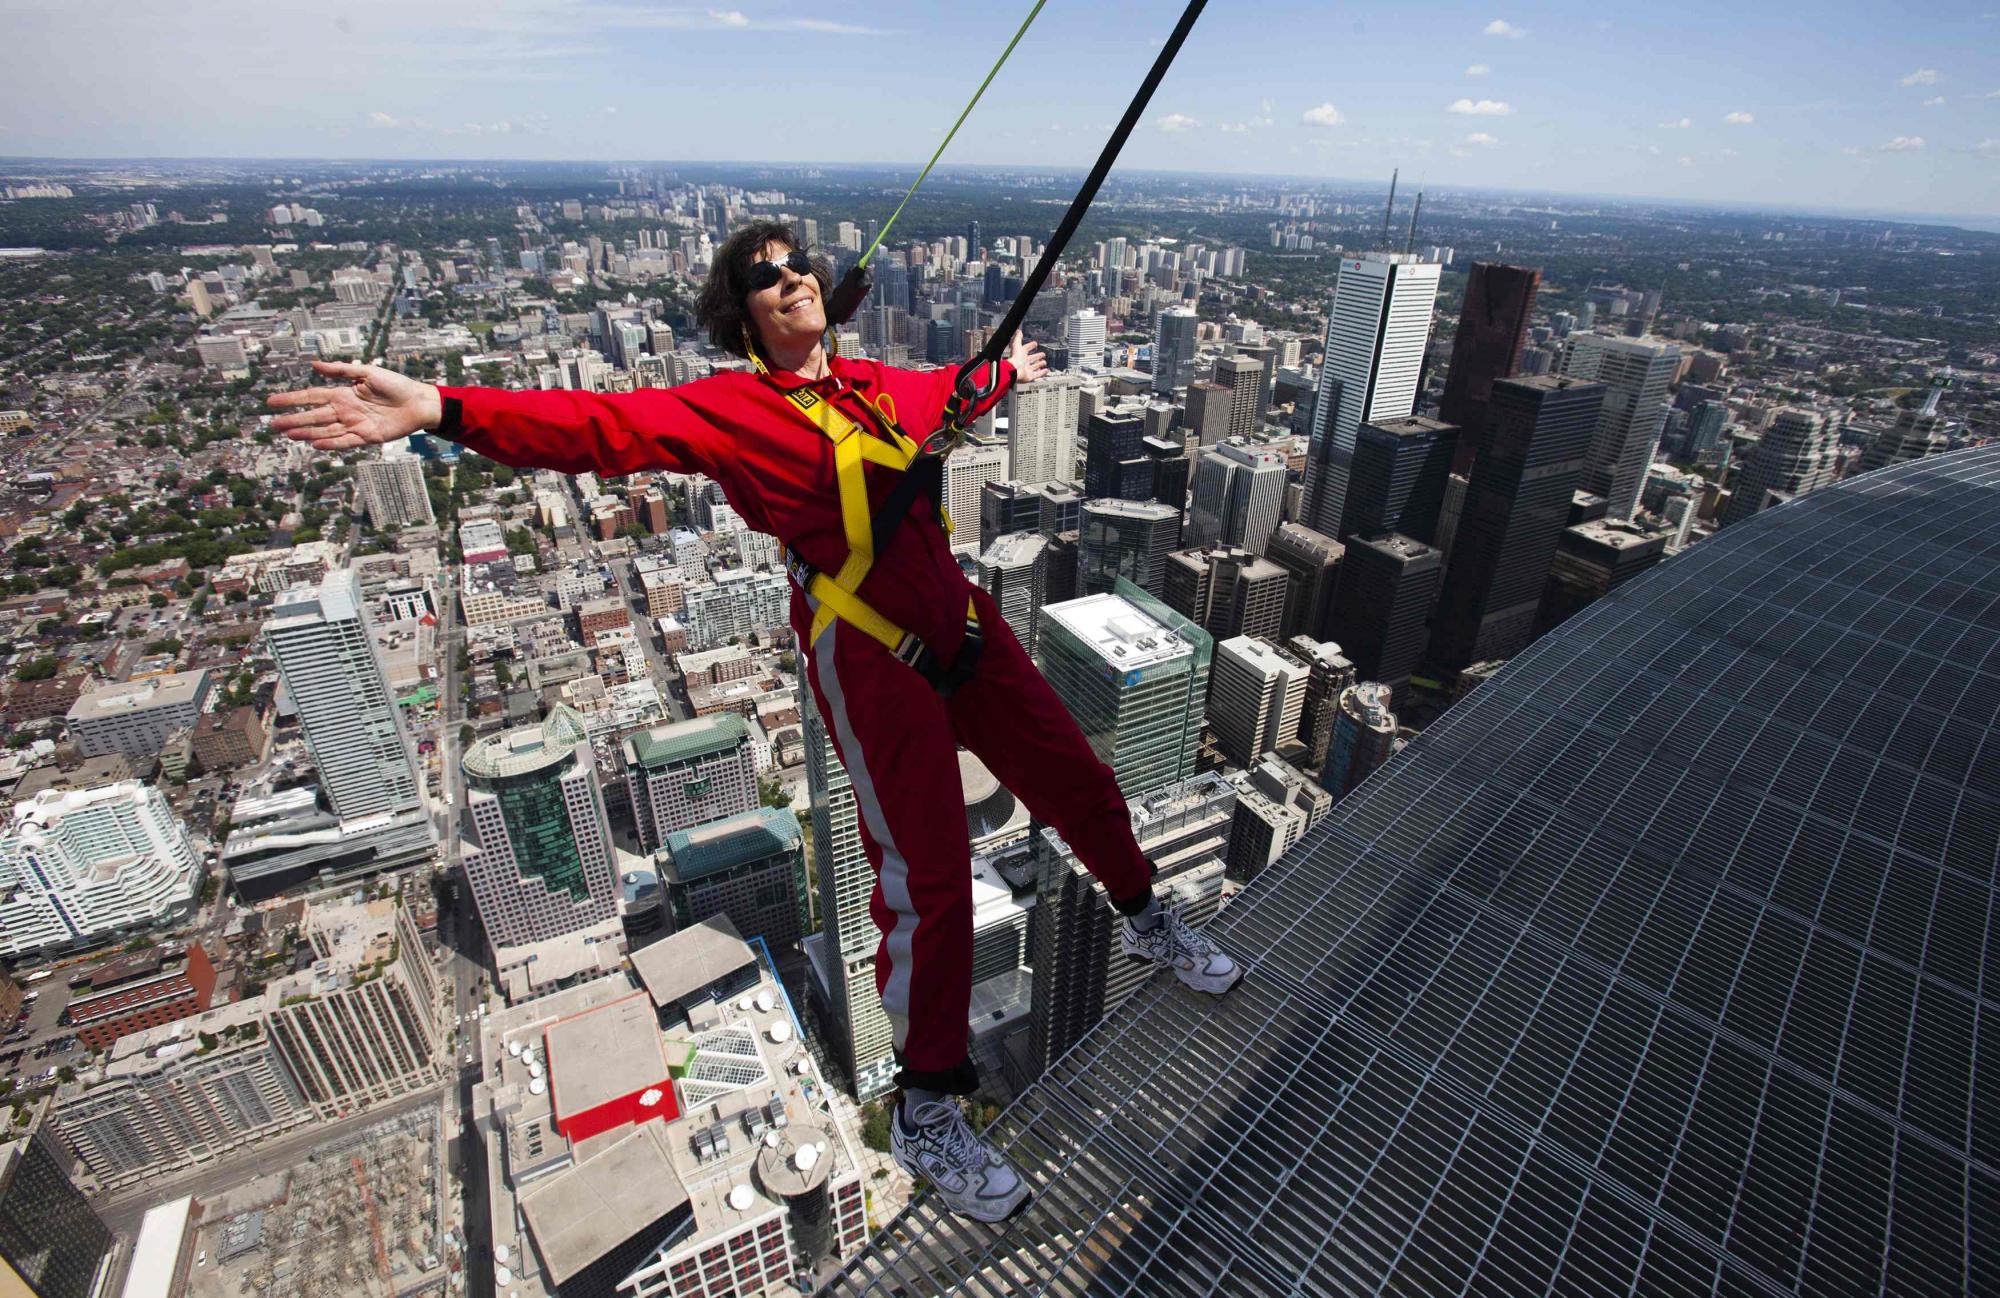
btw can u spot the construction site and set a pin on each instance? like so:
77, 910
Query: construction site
359, 1217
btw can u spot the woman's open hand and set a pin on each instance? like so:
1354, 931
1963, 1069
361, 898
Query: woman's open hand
1027, 359
375, 405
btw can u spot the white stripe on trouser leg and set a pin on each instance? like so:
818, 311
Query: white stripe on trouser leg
895, 873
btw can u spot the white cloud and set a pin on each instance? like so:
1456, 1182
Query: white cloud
1923, 77
1480, 108
1481, 137
1478, 70
1680, 124
730, 17
1740, 118
1935, 101
1324, 115
1501, 27
1265, 107
1991, 148
1851, 151
611, 110
1903, 144
1686, 161
1176, 123
1234, 128
385, 122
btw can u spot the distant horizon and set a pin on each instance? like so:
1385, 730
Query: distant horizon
1972, 222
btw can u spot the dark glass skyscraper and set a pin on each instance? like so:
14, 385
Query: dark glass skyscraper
1387, 584
1661, 964
49, 1235
1397, 482
1492, 329
1537, 437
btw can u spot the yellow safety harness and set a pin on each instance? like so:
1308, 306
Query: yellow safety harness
833, 595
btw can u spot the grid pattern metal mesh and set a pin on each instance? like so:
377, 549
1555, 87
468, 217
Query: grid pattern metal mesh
1657, 966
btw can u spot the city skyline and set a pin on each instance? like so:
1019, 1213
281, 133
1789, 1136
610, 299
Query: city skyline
1467, 101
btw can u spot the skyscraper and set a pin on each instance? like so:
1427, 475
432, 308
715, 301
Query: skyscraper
538, 849
1115, 462
1592, 560
1014, 571
1005, 508
842, 954
1398, 479
1125, 538
966, 473
1243, 374
1256, 697
1915, 434
1796, 454
1084, 332
1376, 332
1134, 674
1387, 585
1239, 497
1492, 329
1532, 452
689, 772
751, 868
1209, 411
1635, 373
1227, 592
392, 488
1311, 561
1183, 828
1330, 672
1364, 735
1173, 349
52, 1243
320, 637
1041, 429
1704, 431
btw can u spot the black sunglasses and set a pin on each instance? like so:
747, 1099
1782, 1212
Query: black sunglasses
764, 274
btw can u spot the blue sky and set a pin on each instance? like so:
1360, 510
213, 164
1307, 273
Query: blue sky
1840, 104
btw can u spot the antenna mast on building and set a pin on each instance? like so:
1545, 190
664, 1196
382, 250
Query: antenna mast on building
1410, 245
1390, 214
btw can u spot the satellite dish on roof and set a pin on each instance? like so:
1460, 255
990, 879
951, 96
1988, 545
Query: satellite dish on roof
514, 1049
534, 1069
781, 1031
743, 1004
764, 1002
503, 1275
805, 1158
537, 1086
770, 1140
500, 1253
740, 1198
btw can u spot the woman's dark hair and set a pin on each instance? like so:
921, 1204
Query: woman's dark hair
721, 309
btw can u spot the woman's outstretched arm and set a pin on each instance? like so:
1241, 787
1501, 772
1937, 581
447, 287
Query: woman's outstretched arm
571, 432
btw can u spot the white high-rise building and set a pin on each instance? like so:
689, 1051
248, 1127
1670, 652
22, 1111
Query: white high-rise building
1173, 349
81, 865
392, 488
538, 850
1256, 698
1797, 454
1635, 373
1085, 336
966, 473
1041, 429
842, 953
1376, 332
1239, 497
353, 728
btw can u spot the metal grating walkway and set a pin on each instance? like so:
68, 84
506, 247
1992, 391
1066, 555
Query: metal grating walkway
1658, 966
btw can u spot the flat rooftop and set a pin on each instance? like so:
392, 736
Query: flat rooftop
603, 1054
176, 689
691, 959
579, 1217
1121, 633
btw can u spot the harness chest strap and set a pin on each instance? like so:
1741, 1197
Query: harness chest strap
835, 593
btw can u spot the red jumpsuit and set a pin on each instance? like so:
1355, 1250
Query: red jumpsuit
895, 735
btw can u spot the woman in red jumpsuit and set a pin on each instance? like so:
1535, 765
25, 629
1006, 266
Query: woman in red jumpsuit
894, 732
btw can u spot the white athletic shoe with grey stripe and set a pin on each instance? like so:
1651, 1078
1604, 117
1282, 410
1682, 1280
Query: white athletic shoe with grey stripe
934, 1141
1193, 956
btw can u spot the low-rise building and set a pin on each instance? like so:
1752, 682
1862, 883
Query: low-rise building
224, 741
141, 991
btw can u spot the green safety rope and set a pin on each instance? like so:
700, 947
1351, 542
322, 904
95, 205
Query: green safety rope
890, 223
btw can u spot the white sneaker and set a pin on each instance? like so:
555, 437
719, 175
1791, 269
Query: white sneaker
935, 1142
1193, 956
